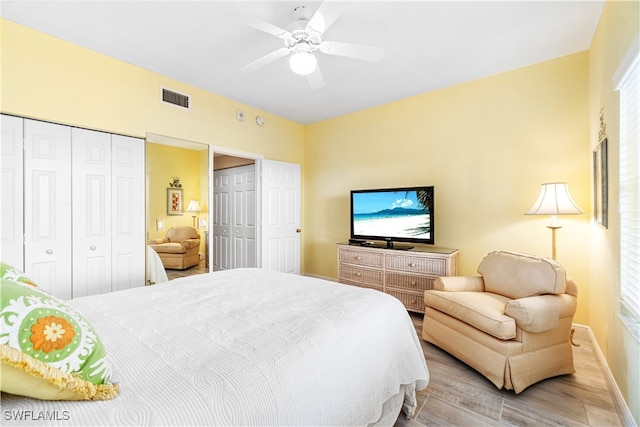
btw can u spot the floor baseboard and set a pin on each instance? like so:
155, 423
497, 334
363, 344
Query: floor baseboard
621, 405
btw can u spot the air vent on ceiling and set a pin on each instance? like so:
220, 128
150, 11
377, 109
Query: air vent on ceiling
175, 98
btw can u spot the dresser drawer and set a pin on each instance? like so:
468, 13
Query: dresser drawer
413, 302
362, 285
359, 257
412, 264
408, 281
353, 273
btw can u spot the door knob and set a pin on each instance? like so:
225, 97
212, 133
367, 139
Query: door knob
298, 230
49, 251
93, 248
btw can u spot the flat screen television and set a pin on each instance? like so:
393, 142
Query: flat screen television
393, 215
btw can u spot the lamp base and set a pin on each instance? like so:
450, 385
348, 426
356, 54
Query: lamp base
553, 228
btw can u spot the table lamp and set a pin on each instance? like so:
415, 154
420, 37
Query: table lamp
194, 207
554, 199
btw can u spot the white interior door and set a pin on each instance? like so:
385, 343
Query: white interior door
234, 223
128, 247
91, 200
221, 221
47, 181
11, 192
280, 194
243, 230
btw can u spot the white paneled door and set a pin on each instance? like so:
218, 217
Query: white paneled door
221, 242
47, 206
280, 192
128, 251
234, 218
243, 231
91, 164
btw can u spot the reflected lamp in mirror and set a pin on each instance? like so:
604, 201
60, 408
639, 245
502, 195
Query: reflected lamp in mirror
194, 208
554, 199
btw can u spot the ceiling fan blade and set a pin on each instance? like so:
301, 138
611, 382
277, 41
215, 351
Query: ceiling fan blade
326, 15
358, 51
260, 25
315, 79
268, 58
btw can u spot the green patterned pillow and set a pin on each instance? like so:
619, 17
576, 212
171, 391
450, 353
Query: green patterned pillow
49, 350
9, 272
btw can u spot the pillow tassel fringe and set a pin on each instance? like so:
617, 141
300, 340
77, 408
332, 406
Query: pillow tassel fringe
63, 380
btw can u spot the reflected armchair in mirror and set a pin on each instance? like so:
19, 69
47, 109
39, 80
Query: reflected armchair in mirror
179, 249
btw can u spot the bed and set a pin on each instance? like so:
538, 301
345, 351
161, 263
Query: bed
245, 347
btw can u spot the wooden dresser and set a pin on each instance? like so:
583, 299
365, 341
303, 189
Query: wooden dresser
405, 274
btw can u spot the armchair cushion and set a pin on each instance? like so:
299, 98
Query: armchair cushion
517, 275
169, 248
191, 243
482, 310
178, 234
459, 283
542, 312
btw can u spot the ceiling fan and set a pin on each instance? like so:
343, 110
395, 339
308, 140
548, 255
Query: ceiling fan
303, 39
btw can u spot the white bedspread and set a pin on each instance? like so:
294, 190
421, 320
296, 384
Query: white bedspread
155, 270
246, 347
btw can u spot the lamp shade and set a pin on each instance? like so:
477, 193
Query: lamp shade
554, 199
194, 206
303, 63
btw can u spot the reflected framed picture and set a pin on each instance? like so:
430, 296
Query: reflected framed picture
600, 184
174, 201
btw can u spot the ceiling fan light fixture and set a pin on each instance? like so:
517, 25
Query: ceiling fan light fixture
303, 63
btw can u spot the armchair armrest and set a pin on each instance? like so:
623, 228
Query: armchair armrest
190, 243
541, 312
459, 284
159, 241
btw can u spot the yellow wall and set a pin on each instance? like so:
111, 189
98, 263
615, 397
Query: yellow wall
47, 78
619, 26
486, 146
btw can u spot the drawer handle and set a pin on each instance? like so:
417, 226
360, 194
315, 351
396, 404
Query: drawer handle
357, 258
49, 251
414, 284
414, 301
411, 264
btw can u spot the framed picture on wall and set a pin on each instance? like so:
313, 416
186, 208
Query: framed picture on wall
600, 184
174, 201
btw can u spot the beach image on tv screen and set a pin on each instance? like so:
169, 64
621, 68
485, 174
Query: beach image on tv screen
392, 214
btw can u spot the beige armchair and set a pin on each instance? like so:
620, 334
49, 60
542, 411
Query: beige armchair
512, 323
179, 249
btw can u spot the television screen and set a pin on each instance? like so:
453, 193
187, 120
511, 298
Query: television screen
395, 214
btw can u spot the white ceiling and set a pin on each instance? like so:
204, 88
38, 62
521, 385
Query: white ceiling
427, 44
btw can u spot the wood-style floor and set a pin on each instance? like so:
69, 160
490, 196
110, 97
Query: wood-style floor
196, 269
459, 396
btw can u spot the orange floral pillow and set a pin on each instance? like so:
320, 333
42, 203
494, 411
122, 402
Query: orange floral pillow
49, 350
